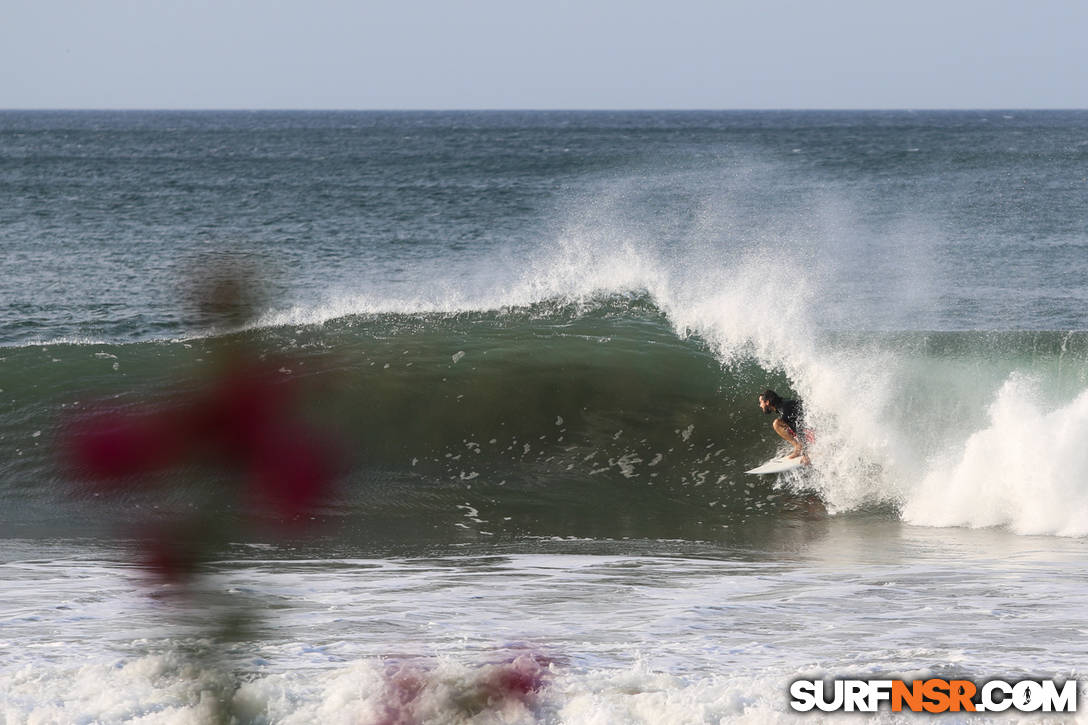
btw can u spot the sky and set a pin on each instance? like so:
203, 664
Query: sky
532, 54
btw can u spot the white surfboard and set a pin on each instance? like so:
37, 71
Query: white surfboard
778, 464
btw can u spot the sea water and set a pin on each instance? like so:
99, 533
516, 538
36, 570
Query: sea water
537, 339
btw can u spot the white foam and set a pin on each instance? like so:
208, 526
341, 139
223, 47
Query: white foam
64, 341
165, 690
640, 695
170, 690
1027, 469
153, 690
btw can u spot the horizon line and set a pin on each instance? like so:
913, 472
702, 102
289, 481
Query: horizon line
828, 109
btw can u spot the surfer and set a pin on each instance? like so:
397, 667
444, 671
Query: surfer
788, 423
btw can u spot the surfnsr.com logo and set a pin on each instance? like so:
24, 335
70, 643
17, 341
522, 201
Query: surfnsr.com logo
933, 695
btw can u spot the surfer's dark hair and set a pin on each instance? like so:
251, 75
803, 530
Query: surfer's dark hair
771, 397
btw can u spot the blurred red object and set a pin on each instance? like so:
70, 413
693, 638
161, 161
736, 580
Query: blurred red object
416, 695
112, 446
245, 421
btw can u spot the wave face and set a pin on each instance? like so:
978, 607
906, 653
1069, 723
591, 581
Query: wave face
604, 418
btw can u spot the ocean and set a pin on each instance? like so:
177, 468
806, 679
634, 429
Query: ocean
444, 417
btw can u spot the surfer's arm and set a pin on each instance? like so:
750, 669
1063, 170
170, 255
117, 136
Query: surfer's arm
789, 436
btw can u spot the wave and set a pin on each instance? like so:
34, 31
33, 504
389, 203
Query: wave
611, 415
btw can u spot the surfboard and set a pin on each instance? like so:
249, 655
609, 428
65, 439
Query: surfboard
778, 464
